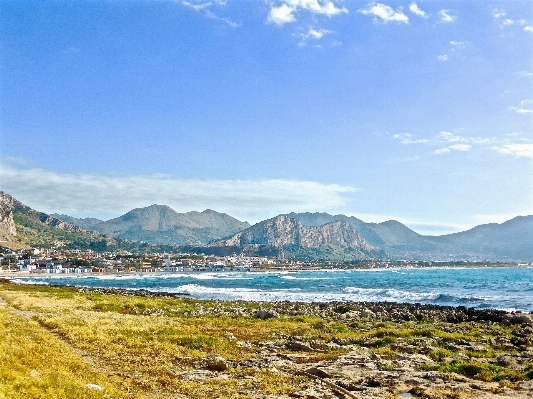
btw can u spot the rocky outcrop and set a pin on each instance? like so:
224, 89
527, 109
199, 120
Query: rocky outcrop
283, 231
7, 224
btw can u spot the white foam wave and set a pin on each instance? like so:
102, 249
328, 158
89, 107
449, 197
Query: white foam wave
288, 277
29, 281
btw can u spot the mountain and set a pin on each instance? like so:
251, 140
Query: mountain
86, 223
509, 241
282, 234
22, 227
160, 224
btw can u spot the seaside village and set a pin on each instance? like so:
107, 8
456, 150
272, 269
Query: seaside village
39, 260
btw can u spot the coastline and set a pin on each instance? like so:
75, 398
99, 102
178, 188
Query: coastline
479, 288
228, 349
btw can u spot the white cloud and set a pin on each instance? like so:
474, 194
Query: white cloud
452, 138
498, 13
407, 138
510, 144
413, 7
420, 226
460, 147
455, 147
385, 13
204, 9
314, 34
443, 57
457, 44
445, 17
106, 196
281, 15
518, 150
524, 108
286, 10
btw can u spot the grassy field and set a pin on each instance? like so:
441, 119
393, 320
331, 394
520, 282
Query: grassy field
55, 341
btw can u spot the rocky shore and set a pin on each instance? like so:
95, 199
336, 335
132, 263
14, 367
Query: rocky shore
384, 363
351, 311
170, 346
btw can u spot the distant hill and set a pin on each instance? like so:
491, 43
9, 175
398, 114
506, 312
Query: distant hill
160, 224
509, 241
22, 227
86, 223
288, 236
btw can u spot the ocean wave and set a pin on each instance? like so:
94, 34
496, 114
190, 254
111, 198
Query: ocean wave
28, 281
288, 277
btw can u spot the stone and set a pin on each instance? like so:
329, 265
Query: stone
94, 387
265, 314
217, 363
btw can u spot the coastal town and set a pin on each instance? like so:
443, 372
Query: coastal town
49, 261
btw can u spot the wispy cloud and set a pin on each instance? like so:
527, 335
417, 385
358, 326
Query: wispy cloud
103, 195
312, 34
446, 17
457, 44
205, 10
413, 7
529, 28
512, 144
443, 57
285, 11
455, 147
500, 16
408, 138
518, 150
526, 107
385, 13
420, 226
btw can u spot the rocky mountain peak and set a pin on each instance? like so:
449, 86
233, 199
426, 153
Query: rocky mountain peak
283, 230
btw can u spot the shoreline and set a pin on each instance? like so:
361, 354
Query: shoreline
305, 350
346, 289
5, 273
385, 310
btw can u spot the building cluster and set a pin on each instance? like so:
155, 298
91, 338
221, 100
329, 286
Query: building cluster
38, 260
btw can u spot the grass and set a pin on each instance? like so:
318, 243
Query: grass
141, 347
35, 364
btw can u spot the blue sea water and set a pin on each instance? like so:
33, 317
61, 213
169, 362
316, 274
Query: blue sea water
481, 288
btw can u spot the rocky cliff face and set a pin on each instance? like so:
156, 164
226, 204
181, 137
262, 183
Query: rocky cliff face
7, 224
283, 230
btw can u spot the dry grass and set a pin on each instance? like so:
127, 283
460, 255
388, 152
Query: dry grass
144, 347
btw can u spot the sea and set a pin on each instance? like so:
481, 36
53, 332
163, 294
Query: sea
507, 288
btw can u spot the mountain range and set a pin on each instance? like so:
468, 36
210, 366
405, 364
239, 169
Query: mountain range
160, 224
318, 236
511, 240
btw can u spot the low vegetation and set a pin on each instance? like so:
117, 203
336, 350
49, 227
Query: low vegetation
55, 341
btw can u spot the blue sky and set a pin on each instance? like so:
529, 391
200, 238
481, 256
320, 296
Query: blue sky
416, 111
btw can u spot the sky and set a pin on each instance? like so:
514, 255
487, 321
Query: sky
420, 111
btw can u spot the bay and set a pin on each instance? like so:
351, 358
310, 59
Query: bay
481, 288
